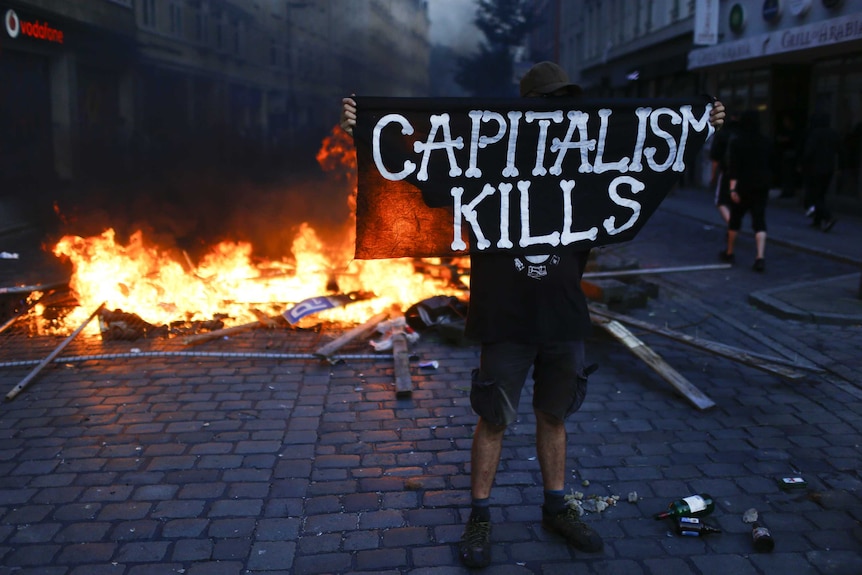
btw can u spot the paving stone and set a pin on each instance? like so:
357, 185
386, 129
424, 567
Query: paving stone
192, 550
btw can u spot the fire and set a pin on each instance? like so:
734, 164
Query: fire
163, 287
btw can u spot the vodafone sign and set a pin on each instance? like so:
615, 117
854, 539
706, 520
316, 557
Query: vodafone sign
15, 27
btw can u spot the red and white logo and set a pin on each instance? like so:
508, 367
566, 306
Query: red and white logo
36, 30
13, 24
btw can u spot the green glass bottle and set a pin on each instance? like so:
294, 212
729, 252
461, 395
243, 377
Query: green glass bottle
691, 506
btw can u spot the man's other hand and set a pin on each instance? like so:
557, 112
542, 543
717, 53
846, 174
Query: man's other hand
348, 115
716, 115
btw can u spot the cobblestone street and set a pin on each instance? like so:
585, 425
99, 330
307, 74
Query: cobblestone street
243, 456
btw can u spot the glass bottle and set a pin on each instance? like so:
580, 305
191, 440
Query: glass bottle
762, 538
691, 506
694, 527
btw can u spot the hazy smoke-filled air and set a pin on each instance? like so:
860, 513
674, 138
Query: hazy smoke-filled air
452, 24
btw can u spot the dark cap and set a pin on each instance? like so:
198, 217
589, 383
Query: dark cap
546, 77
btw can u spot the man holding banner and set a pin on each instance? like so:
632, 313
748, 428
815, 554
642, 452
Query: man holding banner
526, 187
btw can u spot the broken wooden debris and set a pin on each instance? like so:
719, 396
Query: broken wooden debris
649, 271
50, 357
233, 330
655, 361
400, 356
328, 350
120, 325
775, 365
264, 319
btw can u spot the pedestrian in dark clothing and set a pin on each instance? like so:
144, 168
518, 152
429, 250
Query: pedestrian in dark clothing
819, 156
847, 178
750, 169
527, 323
718, 156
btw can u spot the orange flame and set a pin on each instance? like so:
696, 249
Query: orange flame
142, 279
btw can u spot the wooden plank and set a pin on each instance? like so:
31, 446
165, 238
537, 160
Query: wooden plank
400, 356
215, 334
775, 365
36, 370
650, 271
654, 361
326, 351
401, 366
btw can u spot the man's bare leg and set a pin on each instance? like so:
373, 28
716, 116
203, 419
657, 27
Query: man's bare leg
551, 450
475, 546
760, 244
731, 240
485, 457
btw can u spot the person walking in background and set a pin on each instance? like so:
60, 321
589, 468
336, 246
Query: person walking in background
750, 168
847, 178
787, 146
526, 324
718, 158
818, 159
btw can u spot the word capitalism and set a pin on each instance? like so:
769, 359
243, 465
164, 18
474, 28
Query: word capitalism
630, 150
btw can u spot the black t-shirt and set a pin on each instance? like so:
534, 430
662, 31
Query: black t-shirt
527, 299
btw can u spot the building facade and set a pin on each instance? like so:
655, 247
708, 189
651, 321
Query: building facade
797, 62
789, 59
93, 88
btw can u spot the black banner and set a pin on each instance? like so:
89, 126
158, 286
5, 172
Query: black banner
441, 177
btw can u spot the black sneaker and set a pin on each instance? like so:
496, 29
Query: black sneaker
759, 265
475, 546
568, 524
726, 257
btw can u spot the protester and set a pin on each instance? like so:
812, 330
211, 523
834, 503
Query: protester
847, 178
819, 156
718, 158
750, 168
526, 322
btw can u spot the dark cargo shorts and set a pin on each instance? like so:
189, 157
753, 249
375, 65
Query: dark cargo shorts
559, 376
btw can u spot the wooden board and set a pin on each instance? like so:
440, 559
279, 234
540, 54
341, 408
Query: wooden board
326, 351
653, 360
770, 364
401, 368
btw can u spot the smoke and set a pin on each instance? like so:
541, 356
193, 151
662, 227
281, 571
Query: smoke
193, 213
452, 25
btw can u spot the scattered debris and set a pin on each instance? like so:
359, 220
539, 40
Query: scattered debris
120, 325
330, 348
50, 357
590, 503
223, 332
390, 328
750, 515
770, 364
399, 337
654, 360
317, 304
